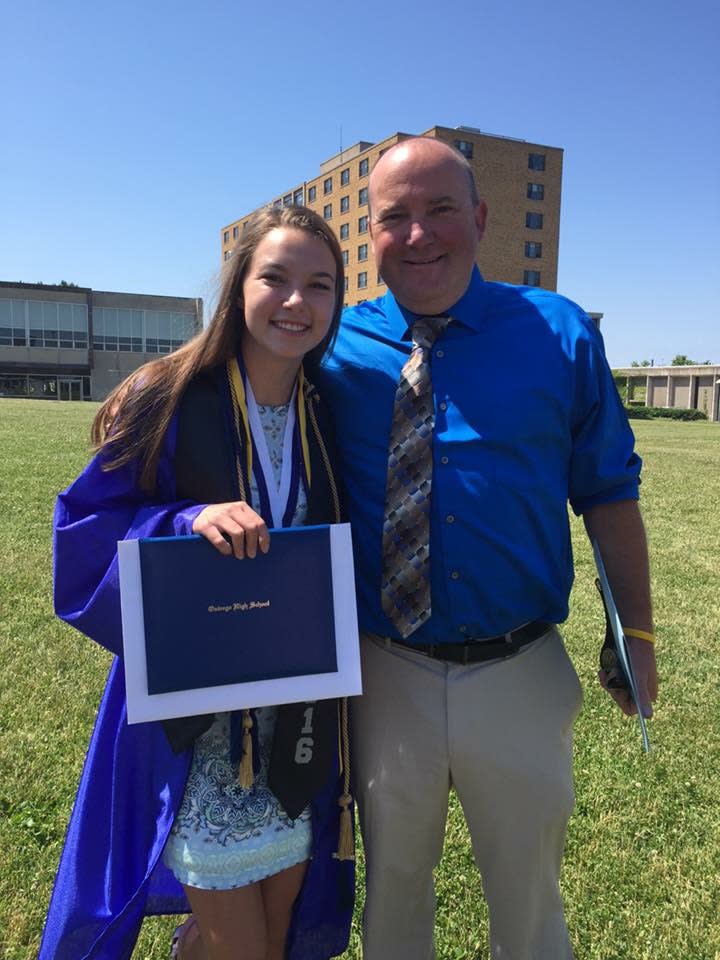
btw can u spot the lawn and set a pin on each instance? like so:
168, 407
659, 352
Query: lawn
641, 877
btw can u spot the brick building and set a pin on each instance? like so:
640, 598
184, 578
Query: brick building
520, 181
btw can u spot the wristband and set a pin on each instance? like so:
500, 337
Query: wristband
640, 634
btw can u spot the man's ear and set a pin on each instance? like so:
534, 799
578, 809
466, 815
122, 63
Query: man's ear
481, 218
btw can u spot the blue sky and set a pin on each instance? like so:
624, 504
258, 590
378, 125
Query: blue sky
131, 132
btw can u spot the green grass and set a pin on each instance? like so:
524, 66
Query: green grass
641, 875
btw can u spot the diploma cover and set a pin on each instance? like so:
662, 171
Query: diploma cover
204, 632
621, 664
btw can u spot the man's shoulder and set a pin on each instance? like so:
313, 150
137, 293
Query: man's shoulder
538, 305
365, 314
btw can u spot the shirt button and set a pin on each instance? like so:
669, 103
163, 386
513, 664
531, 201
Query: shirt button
450, 518
443, 406
444, 460
455, 575
440, 353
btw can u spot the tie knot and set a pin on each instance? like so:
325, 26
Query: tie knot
426, 330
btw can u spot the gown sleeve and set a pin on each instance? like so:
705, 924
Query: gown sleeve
98, 509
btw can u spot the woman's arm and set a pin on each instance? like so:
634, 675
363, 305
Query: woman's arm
98, 509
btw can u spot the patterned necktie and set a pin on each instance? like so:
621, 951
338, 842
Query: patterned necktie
406, 531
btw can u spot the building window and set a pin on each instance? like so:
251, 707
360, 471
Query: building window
536, 191
465, 147
13, 385
37, 323
327, 185
536, 161
277, 203
13, 324
346, 257
141, 331
345, 177
362, 251
327, 211
287, 200
363, 167
344, 204
534, 221
227, 255
235, 233
363, 196
533, 250
379, 278
344, 231
531, 278
312, 191
362, 280
347, 284
44, 386
226, 236
298, 197
362, 224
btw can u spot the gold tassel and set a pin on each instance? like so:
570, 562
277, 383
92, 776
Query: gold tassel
246, 777
346, 843
346, 840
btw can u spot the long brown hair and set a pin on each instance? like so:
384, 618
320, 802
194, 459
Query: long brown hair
132, 422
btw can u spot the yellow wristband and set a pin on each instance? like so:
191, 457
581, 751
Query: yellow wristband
640, 634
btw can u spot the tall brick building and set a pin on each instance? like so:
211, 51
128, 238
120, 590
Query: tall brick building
520, 181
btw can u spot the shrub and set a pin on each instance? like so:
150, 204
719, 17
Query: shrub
666, 413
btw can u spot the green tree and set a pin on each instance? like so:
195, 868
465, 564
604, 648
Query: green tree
641, 363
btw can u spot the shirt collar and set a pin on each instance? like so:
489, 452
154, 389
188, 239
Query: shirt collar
469, 309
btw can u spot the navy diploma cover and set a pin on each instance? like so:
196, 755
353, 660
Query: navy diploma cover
203, 632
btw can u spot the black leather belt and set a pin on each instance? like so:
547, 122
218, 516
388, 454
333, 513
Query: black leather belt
476, 650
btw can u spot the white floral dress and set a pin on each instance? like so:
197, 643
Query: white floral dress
225, 836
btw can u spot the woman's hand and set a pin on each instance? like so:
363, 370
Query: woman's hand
233, 528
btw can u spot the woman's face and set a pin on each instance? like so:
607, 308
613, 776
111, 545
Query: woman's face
288, 296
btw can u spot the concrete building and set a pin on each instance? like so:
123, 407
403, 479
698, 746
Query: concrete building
694, 387
520, 181
74, 343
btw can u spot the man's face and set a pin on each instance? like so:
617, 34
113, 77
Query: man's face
424, 226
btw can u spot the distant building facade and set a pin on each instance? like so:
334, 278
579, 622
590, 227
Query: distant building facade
694, 387
520, 181
75, 343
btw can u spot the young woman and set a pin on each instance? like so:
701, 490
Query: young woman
225, 438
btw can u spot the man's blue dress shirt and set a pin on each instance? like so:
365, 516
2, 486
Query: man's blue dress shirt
527, 418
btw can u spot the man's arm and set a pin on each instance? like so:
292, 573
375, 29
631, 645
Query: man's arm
619, 531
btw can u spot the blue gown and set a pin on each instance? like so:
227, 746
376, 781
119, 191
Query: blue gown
111, 874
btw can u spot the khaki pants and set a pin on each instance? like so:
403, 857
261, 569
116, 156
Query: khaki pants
501, 734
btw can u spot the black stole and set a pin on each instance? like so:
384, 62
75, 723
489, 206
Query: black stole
306, 734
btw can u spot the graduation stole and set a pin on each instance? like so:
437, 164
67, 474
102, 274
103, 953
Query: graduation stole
296, 773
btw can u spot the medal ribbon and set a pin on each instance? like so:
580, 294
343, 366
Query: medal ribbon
277, 505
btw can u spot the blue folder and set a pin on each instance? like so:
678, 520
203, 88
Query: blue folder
212, 619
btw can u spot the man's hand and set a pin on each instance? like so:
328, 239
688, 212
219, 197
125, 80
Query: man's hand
619, 531
642, 657
233, 528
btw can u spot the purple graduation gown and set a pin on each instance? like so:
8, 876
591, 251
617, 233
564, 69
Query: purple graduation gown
110, 874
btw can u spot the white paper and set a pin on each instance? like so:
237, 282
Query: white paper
346, 682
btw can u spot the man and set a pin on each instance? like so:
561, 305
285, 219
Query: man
472, 687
